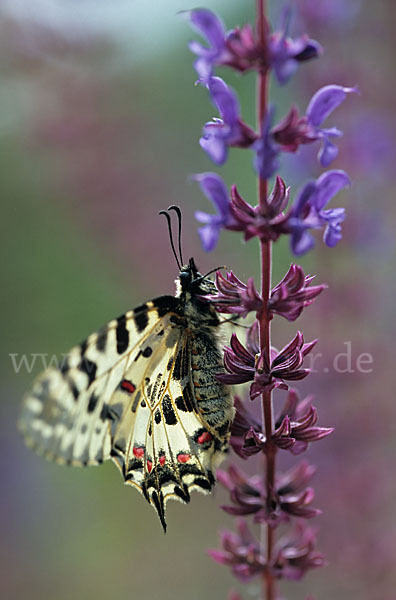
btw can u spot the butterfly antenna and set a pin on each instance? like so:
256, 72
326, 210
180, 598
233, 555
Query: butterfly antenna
214, 270
163, 212
178, 212
210, 272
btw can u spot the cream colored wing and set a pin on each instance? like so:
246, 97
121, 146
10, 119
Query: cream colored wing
143, 392
161, 442
66, 414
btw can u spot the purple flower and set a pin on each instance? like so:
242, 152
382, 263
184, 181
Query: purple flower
286, 53
285, 365
243, 423
320, 107
246, 51
239, 362
237, 49
241, 552
229, 130
216, 191
293, 131
253, 221
234, 296
295, 554
212, 29
293, 294
247, 493
308, 212
240, 49
290, 496
294, 428
245, 364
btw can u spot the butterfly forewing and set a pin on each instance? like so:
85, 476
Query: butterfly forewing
65, 416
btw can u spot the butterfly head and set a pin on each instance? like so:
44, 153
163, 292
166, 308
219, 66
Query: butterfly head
192, 281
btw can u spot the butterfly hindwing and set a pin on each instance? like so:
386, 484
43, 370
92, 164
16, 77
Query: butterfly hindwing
162, 443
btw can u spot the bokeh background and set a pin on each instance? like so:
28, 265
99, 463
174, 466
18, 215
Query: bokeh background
99, 124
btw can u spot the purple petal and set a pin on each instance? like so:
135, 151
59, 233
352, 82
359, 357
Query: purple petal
209, 26
214, 188
333, 215
200, 49
301, 243
266, 160
284, 69
209, 235
325, 101
327, 153
299, 447
303, 197
225, 99
285, 20
332, 234
233, 378
203, 67
331, 132
214, 146
204, 217
286, 53
238, 510
311, 49
328, 185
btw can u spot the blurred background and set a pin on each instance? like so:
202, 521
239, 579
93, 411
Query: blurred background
99, 129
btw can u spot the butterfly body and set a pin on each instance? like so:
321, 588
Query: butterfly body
143, 393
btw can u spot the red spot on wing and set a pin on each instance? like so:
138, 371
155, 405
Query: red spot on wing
138, 452
149, 466
204, 437
162, 460
183, 458
128, 386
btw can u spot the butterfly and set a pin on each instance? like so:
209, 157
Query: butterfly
142, 392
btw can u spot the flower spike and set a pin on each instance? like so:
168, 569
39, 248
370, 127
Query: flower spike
269, 497
293, 294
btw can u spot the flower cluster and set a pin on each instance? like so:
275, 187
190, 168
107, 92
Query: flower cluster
295, 427
249, 364
228, 130
242, 50
270, 497
287, 299
308, 212
289, 497
294, 554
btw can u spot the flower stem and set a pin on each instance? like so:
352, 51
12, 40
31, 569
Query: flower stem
264, 319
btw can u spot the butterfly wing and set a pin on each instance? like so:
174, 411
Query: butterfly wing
162, 443
129, 393
65, 415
